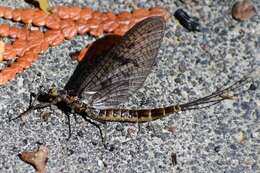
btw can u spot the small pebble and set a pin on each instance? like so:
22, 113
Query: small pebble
243, 10
217, 149
240, 137
172, 129
252, 87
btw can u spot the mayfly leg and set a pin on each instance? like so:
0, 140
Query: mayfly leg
139, 126
103, 134
67, 113
69, 124
31, 102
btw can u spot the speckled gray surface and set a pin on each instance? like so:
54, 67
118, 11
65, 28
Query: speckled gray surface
223, 138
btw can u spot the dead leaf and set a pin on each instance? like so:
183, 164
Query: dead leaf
38, 159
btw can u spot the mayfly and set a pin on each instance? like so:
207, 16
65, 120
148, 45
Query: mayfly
100, 85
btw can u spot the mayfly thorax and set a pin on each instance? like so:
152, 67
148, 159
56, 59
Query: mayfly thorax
99, 85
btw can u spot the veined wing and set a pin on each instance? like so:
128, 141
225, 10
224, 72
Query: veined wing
111, 78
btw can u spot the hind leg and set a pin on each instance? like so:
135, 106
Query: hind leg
103, 134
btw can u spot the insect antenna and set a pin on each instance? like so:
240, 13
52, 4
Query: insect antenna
31, 108
214, 98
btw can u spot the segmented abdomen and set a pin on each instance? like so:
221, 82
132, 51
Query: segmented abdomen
141, 115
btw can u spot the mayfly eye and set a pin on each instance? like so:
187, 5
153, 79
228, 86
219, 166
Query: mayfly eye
190, 23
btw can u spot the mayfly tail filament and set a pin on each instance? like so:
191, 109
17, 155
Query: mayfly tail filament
214, 98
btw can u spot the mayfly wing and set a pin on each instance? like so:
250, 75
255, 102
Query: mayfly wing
134, 58
91, 65
111, 78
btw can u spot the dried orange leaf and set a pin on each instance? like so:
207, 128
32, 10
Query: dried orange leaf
38, 159
2, 49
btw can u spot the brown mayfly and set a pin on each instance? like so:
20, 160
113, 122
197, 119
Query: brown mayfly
99, 85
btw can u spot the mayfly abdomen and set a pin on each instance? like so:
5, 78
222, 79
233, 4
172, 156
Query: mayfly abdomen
139, 115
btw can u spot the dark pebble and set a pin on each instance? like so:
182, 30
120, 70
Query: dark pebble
82, 160
80, 133
70, 152
177, 80
233, 147
252, 87
119, 127
245, 105
217, 149
25, 141
111, 148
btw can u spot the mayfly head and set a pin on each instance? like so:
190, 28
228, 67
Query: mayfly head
44, 99
52, 96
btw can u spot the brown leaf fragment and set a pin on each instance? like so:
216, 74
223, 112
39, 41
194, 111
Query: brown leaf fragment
243, 10
38, 159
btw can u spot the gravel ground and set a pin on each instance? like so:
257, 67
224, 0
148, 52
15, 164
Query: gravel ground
223, 138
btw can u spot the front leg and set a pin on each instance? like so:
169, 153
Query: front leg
69, 124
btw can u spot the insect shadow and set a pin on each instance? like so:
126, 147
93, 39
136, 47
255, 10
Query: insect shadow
112, 70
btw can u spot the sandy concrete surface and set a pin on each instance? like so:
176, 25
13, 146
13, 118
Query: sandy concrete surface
223, 138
